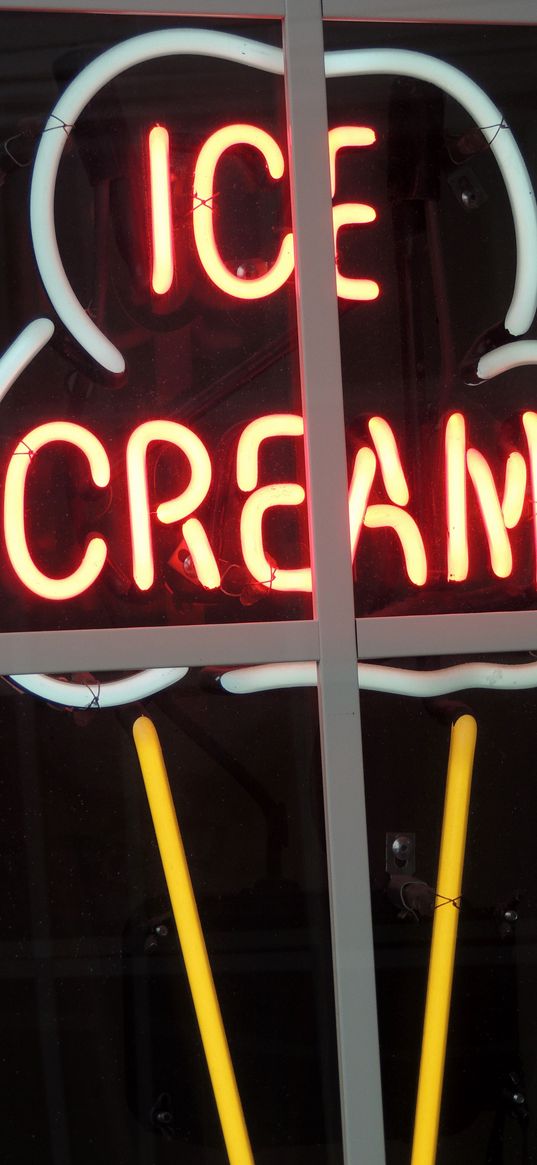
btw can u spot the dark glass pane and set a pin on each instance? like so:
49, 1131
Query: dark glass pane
196, 354
102, 1053
442, 252
489, 1080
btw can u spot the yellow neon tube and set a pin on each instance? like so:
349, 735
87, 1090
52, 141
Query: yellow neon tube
192, 942
446, 918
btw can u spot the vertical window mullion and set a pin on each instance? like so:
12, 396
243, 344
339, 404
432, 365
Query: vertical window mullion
333, 591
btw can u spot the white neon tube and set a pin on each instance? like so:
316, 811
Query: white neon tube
270, 677
151, 45
405, 63
22, 351
395, 681
101, 695
516, 355
354, 62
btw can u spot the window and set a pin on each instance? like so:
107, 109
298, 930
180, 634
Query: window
268, 474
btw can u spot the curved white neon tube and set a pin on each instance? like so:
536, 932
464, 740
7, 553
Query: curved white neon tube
509, 356
406, 63
21, 352
354, 62
101, 695
164, 43
395, 681
372, 677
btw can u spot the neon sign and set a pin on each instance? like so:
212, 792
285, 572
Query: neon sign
474, 516
463, 463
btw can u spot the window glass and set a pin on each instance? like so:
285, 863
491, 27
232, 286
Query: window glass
437, 163
102, 1051
488, 1086
174, 333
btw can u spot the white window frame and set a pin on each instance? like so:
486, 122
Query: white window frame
330, 638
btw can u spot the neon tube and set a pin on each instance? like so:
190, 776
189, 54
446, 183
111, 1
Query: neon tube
192, 942
365, 465
353, 214
516, 355
350, 213
202, 556
501, 557
514, 492
390, 462
161, 210
251, 529
203, 213
344, 137
251, 438
147, 47
529, 421
271, 677
22, 351
378, 517
457, 522
111, 694
394, 681
94, 556
167, 512
446, 919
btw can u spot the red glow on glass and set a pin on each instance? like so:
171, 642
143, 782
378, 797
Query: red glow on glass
203, 212
161, 214
170, 511
21, 560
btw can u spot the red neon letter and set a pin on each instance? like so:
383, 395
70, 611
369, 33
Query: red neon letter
350, 213
173, 510
365, 466
515, 490
457, 528
210, 154
291, 494
280, 494
161, 216
274, 425
376, 517
15, 534
501, 557
390, 462
498, 517
529, 420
